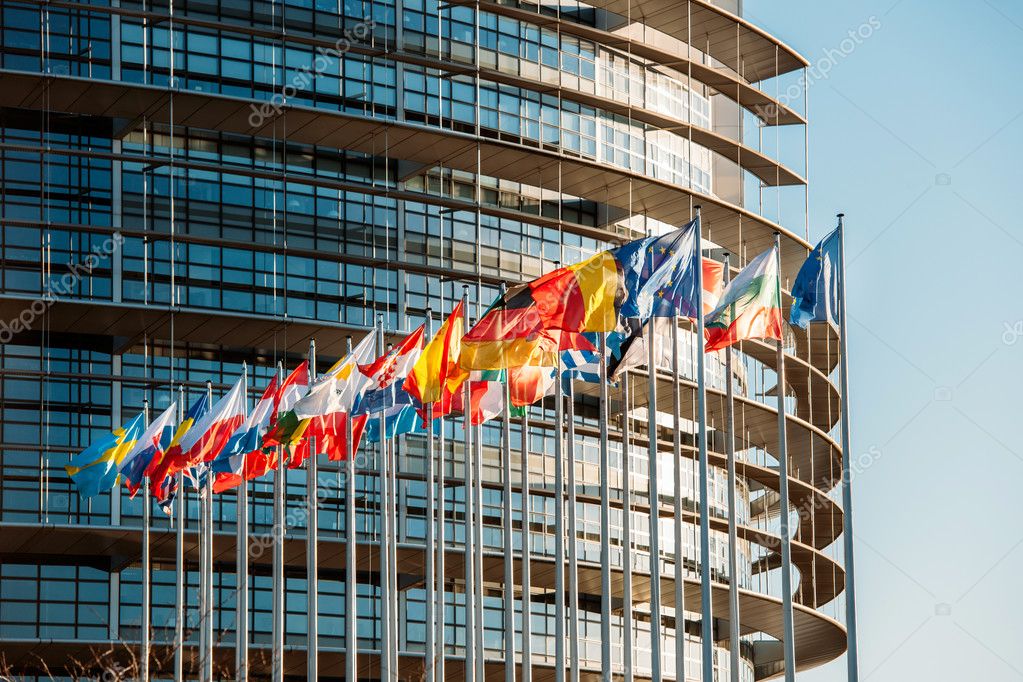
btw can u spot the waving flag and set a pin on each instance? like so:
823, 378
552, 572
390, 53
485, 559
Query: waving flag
245, 444
713, 284
387, 375
148, 448
750, 306
323, 412
95, 469
513, 333
437, 369
579, 298
815, 292
162, 469
659, 275
486, 397
210, 434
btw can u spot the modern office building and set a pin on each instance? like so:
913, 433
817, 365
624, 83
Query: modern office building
194, 185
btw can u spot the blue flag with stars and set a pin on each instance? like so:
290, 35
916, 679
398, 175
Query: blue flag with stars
660, 275
815, 292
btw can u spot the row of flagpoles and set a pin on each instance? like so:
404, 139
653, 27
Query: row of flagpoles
590, 321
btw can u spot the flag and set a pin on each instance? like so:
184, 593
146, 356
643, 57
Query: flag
401, 418
245, 443
437, 369
579, 298
512, 333
387, 375
529, 384
208, 436
750, 306
162, 469
149, 447
581, 365
659, 276
95, 469
486, 397
815, 292
713, 284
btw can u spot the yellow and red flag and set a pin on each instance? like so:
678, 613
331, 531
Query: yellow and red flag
437, 370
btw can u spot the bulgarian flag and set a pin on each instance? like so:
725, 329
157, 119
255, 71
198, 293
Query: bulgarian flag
750, 306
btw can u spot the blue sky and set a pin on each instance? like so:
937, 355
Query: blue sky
914, 134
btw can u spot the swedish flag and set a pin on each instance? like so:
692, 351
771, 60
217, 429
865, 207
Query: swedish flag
95, 469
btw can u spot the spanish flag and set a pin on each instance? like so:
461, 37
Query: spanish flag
437, 368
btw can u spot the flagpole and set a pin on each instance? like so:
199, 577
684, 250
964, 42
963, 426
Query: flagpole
706, 610
605, 520
478, 544
441, 575
788, 644
628, 623
847, 520
431, 511
733, 542
573, 556
180, 571
527, 581
469, 671
559, 529
146, 576
207, 494
676, 449
385, 581
242, 542
279, 582
654, 500
509, 547
351, 576
312, 546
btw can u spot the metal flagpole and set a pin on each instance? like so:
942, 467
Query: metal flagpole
180, 570
788, 645
678, 527
478, 544
706, 613
469, 671
431, 510
654, 499
351, 576
201, 495
207, 495
628, 624
312, 490
242, 542
441, 532
527, 608
847, 530
385, 582
573, 556
559, 528
509, 546
605, 520
146, 576
279, 581
733, 543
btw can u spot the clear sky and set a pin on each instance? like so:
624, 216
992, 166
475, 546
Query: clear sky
917, 134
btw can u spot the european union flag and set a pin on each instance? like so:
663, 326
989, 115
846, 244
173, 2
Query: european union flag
660, 275
815, 292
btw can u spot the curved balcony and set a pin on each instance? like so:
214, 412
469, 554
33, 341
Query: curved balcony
732, 227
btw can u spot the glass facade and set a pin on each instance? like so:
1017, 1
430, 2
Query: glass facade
214, 226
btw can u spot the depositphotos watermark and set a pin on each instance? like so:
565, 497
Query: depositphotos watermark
303, 79
61, 287
820, 69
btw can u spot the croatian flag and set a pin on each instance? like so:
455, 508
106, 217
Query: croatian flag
387, 375
148, 448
